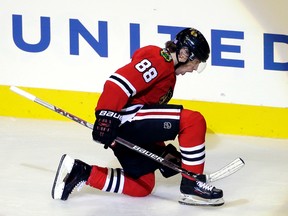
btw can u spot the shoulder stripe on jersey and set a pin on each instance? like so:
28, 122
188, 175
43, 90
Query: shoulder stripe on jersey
123, 83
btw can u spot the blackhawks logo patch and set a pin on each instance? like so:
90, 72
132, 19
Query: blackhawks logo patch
166, 55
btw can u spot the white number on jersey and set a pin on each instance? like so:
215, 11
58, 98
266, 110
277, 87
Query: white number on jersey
148, 72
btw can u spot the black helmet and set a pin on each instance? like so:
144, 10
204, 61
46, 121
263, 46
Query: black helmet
195, 42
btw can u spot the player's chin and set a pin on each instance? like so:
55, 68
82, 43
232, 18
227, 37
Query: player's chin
183, 73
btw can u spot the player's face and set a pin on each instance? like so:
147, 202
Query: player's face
189, 67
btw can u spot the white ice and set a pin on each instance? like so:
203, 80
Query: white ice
31, 150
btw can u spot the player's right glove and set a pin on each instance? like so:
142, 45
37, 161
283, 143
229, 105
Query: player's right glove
106, 126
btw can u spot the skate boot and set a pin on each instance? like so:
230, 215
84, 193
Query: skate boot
70, 174
199, 194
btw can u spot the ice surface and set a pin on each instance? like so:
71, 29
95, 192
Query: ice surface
31, 150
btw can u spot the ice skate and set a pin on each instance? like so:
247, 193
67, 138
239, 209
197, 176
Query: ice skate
70, 174
199, 194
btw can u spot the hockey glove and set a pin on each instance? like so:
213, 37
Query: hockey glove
106, 127
171, 154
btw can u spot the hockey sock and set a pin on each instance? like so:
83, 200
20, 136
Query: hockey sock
114, 180
192, 140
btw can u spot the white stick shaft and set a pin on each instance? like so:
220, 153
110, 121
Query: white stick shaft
51, 107
22, 93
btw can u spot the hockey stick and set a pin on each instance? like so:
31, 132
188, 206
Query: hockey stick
231, 168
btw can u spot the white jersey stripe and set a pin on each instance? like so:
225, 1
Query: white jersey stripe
157, 114
160, 110
136, 118
142, 114
121, 86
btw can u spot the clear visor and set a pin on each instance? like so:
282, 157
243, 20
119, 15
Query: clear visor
201, 67
191, 56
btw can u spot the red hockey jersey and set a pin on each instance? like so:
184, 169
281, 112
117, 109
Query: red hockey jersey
148, 79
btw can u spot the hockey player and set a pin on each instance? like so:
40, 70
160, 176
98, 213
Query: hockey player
133, 106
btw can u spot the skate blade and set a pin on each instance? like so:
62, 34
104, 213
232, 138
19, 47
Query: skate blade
186, 199
64, 168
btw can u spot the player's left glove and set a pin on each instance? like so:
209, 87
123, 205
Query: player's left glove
106, 126
171, 154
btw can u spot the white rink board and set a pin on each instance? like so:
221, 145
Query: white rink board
55, 67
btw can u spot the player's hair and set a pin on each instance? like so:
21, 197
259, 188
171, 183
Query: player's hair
171, 46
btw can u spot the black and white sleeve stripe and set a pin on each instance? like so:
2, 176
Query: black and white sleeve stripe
123, 83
